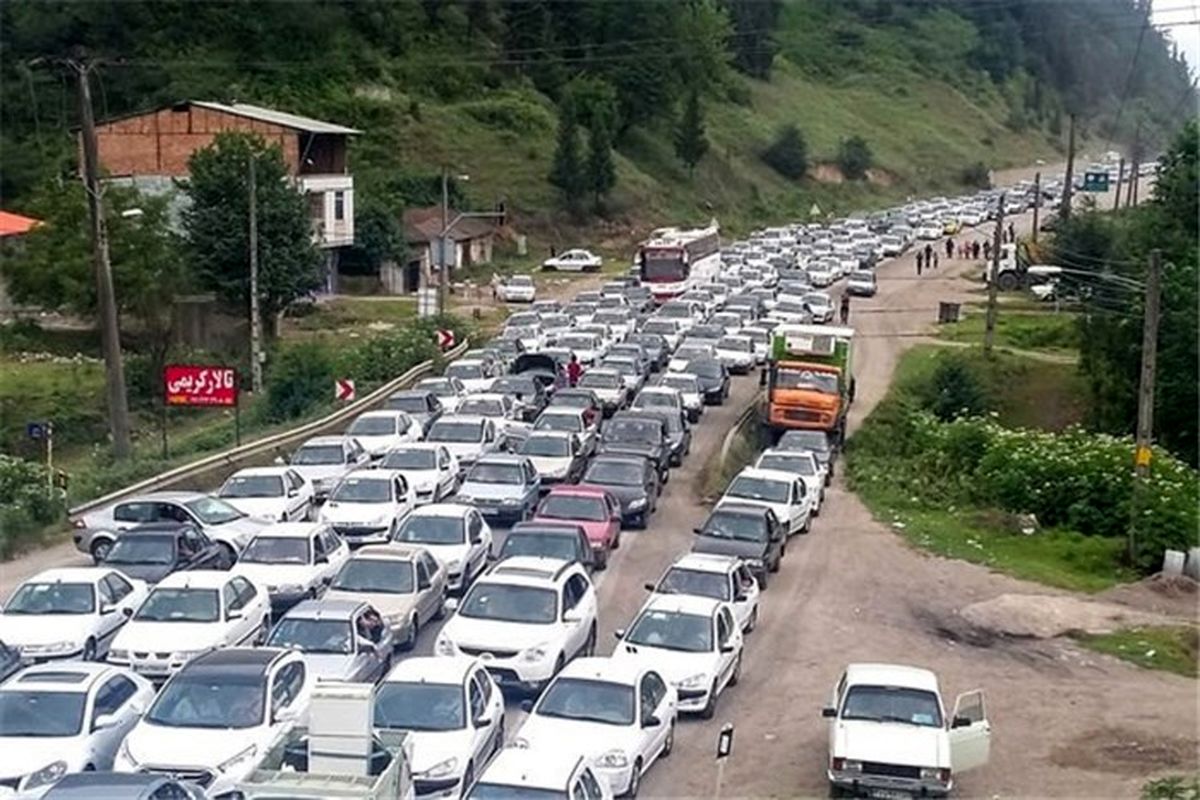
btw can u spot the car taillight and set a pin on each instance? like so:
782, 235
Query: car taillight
944, 775
78, 523
837, 764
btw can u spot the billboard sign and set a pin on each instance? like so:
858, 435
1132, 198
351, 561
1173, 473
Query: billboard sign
190, 385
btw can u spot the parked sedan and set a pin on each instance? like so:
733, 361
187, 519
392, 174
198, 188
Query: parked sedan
528, 394
782, 492
592, 508
325, 460
364, 507
573, 420
449, 391
380, 431
574, 261
430, 469
816, 442
503, 487
752, 533
566, 541
557, 457
632, 479
713, 377
468, 438
724, 578
273, 493
61, 719
736, 352
342, 640
405, 583
861, 283
609, 386
820, 306
517, 289
293, 560
123, 786
152, 552
679, 435
69, 612
640, 435
688, 386
422, 406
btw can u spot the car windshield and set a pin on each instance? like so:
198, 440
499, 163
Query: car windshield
253, 486
458, 432
312, 455
816, 299
683, 385
419, 707
696, 582
414, 404
180, 605
692, 351
52, 598
547, 545
276, 550
572, 423
438, 386
501, 791
514, 385
140, 548
510, 603
614, 473
705, 369
626, 366
601, 380
656, 400
567, 506
578, 342
744, 527
736, 343
210, 700
410, 459
379, 575
862, 276
313, 635
589, 701
663, 327
373, 426
482, 407
582, 399
807, 379
799, 464
363, 490
675, 311
464, 371
815, 441
765, 489
892, 704
504, 474
45, 714
431, 530
549, 446
632, 430
212, 511
670, 630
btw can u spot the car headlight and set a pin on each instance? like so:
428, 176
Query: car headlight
754, 563
241, 757
510, 501
47, 774
850, 765
696, 681
614, 758
463, 497
127, 756
445, 647
441, 769
454, 564
935, 774
187, 655
638, 503
51, 648
535, 653
520, 742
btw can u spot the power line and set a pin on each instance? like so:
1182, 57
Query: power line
1129, 78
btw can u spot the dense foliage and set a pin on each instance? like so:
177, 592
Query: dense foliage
788, 153
855, 158
27, 504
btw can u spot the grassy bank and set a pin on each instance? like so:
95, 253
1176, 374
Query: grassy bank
1041, 331
1170, 648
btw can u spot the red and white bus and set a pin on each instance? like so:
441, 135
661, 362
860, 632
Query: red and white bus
674, 260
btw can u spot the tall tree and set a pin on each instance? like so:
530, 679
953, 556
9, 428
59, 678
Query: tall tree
567, 170
788, 154
691, 141
218, 233
753, 43
601, 168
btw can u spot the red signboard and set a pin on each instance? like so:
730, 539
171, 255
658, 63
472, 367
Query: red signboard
187, 385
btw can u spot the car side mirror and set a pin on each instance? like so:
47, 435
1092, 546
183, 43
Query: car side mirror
321, 559
961, 722
104, 722
366, 648
829, 712
293, 493
127, 611
477, 538
424, 584
740, 597
482, 722
286, 714
527, 706
727, 648
232, 615
698, 531
107, 608
280, 461
649, 587
451, 604
651, 722
619, 634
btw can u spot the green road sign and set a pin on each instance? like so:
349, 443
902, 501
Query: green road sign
1095, 181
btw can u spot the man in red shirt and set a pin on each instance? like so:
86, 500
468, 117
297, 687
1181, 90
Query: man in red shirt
574, 370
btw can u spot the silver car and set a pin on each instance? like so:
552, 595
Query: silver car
502, 486
342, 640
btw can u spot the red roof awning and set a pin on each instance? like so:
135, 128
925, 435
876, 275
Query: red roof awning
15, 224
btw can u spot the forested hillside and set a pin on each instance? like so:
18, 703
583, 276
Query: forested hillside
786, 97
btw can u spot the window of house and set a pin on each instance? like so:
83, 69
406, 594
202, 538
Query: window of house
339, 205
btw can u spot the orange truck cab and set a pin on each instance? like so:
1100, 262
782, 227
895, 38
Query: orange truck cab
809, 380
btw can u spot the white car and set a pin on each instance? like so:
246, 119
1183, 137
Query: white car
430, 468
532, 337
365, 506
274, 493
456, 535
516, 289
467, 438
587, 347
69, 612
670, 329
380, 431
694, 642
453, 711
293, 561
519, 772
63, 718
724, 578
188, 614
782, 492
500, 408
892, 245
569, 419
621, 711
889, 733
556, 455
574, 261
822, 274
803, 463
820, 306
475, 375
449, 391
761, 337
688, 386
325, 460
736, 353
218, 716
531, 615
929, 231
609, 386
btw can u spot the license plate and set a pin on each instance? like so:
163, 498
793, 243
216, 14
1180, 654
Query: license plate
889, 794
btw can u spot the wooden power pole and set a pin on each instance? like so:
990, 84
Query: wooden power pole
1145, 412
1069, 186
1117, 193
1037, 203
989, 330
106, 302
256, 376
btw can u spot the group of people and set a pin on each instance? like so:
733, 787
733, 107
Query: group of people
928, 258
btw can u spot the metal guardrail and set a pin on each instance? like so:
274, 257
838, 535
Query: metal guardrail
267, 443
750, 413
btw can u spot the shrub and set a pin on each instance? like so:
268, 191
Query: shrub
300, 377
953, 390
382, 358
27, 504
855, 158
976, 176
510, 114
788, 154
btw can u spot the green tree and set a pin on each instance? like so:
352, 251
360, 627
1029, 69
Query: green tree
378, 233
566, 171
788, 154
855, 158
691, 141
601, 168
217, 227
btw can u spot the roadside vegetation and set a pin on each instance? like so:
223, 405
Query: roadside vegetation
1174, 787
748, 441
1168, 648
1055, 333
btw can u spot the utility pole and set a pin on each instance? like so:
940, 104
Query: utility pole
106, 302
256, 376
1120, 177
443, 270
989, 330
1069, 186
1037, 203
1145, 413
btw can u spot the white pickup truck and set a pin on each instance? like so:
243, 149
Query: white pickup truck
889, 736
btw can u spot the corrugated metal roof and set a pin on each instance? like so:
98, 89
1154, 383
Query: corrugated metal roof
307, 124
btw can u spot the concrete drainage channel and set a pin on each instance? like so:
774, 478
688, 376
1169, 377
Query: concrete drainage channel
211, 470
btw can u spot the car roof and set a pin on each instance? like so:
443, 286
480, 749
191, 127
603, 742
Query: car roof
528, 570
368, 473
474, 419
891, 675
394, 551
60, 676
324, 440
778, 451
432, 669
292, 530
490, 395
70, 575
245, 661
105, 786
324, 609
196, 579
501, 458
261, 471
456, 510
681, 604
766, 474
383, 412
604, 668
706, 562
521, 766
181, 497
577, 490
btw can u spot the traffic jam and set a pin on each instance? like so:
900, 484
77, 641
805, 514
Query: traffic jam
443, 556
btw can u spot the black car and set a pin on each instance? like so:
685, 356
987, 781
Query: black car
713, 377
631, 479
562, 540
152, 552
818, 442
422, 406
679, 433
529, 392
10, 661
655, 347
640, 435
752, 533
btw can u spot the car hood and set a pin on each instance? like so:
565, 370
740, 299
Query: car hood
729, 547
27, 754
316, 472
553, 466
431, 748
609, 394
647, 450
21, 629
625, 494
391, 605
447, 554
550, 735
468, 450
895, 743
421, 479
358, 513
204, 748
487, 633
378, 445
167, 637
491, 491
674, 665
707, 383
275, 574
150, 573
264, 507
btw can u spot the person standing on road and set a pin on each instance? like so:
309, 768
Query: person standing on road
928, 254
987, 251
975, 249
574, 370
935, 261
949, 248
1012, 233
920, 261
846, 305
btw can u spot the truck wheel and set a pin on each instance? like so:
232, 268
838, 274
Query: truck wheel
1007, 281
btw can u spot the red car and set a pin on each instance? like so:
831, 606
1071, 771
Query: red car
593, 508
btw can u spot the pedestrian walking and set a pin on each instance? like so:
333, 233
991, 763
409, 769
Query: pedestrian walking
975, 249
935, 260
920, 262
1012, 233
845, 315
928, 254
574, 370
987, 251
949, 248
